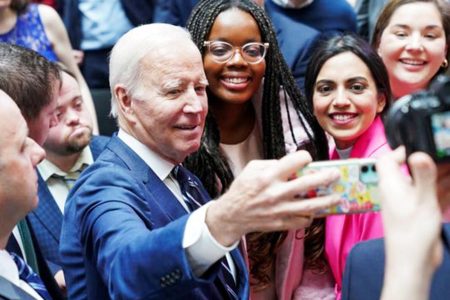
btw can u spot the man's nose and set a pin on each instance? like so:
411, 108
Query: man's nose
72, 117
194, 103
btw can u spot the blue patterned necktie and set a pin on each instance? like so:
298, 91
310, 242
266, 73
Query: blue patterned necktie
29, 276
189, 188
194, 198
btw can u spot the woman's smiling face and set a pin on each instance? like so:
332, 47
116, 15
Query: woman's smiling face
345, 99
413, 47
234, 81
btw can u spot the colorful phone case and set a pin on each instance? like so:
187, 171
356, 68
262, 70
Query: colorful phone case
358, 185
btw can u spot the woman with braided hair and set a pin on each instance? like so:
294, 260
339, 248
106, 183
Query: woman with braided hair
256, 111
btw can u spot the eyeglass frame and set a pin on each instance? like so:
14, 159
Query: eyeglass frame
207, 44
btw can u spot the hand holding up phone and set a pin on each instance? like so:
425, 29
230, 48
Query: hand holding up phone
264, 198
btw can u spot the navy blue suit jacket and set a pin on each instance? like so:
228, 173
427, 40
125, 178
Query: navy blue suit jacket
122, 236
295, 40
363, 276
174, 12
324, 15
46, 219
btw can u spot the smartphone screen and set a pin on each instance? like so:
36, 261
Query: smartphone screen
358, 185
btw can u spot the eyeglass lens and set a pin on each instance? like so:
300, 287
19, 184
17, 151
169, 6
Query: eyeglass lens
251, 52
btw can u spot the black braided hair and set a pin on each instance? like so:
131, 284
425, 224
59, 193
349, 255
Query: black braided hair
210, 164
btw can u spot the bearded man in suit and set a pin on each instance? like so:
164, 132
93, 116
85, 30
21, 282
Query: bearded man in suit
70, 147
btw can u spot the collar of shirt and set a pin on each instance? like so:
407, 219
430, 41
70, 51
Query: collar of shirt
8, 269
10, 272
46, 168
159, 165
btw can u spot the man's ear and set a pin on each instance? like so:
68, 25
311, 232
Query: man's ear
124, 102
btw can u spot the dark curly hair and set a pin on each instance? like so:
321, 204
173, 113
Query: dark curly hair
209, 162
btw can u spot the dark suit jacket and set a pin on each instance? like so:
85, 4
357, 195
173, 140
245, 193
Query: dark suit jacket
295, 39
363, 276
326, 16
41, 266
46, 219
174, 12
122, 236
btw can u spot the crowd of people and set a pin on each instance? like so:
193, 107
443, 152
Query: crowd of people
218, 104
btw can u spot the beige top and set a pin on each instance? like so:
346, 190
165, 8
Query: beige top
240, 154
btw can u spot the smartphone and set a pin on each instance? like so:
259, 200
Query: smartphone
358, 185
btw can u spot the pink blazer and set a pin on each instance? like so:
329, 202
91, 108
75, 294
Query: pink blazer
289, 264
342, 232
291, 280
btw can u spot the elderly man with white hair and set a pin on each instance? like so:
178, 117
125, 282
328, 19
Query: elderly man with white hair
137, 224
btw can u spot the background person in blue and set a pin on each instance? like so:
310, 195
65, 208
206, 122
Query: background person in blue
127, 232
299, 24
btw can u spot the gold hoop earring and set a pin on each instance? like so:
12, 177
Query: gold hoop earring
444, 64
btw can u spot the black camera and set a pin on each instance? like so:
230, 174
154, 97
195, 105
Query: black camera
421, 121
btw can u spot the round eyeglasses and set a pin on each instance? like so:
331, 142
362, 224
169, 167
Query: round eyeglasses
222, 52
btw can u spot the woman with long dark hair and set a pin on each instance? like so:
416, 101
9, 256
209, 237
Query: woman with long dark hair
348, 88
256, 111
